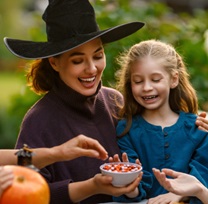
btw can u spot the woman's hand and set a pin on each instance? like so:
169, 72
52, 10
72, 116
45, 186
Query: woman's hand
103, 185
202, 122
99, 184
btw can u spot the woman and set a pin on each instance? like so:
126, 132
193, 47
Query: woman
68, 71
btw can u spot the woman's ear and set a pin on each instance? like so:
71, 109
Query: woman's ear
53, 63
174, 80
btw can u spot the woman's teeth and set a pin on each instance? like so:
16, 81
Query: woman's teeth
88, 79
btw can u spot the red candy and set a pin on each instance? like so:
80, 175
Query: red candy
121, 167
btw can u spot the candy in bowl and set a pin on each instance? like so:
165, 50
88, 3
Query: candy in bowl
123, 173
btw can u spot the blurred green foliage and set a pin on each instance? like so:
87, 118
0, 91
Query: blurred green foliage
184, 31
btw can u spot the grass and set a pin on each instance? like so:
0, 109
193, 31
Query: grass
10, 83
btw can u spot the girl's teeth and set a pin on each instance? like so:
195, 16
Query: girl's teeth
149, 97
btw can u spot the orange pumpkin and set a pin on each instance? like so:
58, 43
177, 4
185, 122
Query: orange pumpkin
28, 187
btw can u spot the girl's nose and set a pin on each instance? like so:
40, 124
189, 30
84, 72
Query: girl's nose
147, 86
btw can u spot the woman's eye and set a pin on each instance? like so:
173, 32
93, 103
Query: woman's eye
98, 56
77, 61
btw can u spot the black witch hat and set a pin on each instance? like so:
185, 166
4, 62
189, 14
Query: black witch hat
69, 24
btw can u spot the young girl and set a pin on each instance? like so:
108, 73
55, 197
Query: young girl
158, 119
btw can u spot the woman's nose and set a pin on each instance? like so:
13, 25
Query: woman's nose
90, 66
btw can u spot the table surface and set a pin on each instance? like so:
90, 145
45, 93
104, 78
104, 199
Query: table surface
141, 202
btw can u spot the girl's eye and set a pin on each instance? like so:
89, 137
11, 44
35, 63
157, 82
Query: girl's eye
156, 80
137, 82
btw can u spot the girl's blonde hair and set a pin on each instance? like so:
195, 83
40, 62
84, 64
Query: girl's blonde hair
182, 98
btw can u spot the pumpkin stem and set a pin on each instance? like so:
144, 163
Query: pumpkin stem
20, 179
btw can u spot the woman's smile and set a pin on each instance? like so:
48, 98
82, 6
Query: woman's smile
81, 68
87, 82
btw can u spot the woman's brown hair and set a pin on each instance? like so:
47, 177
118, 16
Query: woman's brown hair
41, 76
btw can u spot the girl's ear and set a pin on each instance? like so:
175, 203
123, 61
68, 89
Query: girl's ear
53, 63
174, 80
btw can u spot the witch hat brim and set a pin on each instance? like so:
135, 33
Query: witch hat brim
39, 50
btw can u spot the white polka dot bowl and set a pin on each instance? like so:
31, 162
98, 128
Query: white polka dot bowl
123, 173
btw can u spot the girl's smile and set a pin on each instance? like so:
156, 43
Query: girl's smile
150, 84
150, 99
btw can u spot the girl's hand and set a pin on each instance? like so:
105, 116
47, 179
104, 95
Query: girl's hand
116, 158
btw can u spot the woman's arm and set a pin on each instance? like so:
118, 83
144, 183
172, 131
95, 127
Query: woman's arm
76, 147
99, 184
182, 184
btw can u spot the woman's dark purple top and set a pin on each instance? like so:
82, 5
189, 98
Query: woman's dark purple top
61, 115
